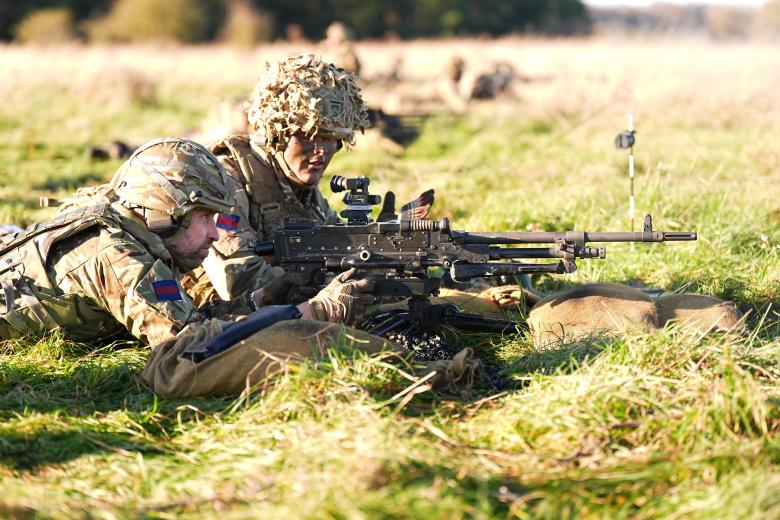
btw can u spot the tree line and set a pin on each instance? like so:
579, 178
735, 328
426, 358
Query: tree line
194, 21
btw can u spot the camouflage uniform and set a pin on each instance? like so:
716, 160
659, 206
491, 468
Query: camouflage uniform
95, 273
98, 272
264, 198
83, 197
300, 94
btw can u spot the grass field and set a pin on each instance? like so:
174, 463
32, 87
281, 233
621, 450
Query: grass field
665, 425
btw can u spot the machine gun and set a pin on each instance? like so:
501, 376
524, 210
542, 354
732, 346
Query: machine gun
401, 253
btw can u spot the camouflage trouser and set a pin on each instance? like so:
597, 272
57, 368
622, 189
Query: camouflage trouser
257, 358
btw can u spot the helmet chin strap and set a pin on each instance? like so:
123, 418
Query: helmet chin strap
278, 155
296, 182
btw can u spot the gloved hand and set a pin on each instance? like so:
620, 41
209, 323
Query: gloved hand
344, 299
281, 289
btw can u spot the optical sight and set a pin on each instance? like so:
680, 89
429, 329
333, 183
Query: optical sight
359, 202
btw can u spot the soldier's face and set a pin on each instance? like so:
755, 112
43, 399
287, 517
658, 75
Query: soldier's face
308, 158
195, 241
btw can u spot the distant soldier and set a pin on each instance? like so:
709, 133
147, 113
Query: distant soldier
338, 48
98, 272
225, 118
499, 79
458, 85
448, 85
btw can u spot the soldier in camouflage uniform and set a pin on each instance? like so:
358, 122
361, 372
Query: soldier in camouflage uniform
338, 49
303, 111
98, 272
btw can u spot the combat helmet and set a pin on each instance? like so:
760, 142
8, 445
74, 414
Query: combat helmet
166, 179
337, 33
302, 93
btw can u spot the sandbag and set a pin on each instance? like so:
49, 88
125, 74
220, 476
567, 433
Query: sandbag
589, 310
613, 308
700, 313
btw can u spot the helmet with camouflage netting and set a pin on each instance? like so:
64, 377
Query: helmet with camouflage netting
337, 32
166, 179
304, 94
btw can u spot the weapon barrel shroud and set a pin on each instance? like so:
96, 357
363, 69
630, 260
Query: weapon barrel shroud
546, 237
498, 253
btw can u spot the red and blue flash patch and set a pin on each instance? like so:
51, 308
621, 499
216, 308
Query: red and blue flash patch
228, 222
166, 290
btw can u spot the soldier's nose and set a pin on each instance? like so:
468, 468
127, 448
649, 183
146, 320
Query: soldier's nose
212, 233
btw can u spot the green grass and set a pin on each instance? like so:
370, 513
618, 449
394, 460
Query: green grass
664, 425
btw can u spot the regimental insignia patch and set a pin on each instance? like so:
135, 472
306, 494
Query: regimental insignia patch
166, 290
228, 222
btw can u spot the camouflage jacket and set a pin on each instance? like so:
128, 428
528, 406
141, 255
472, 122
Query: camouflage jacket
95, 273
264, 198
83, 197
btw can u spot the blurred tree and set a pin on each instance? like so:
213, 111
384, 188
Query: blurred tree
725, 23
421, 18
12, 12
364, 18
500, 17
566, 17
368, 18
46, 26
186, 21
245, 25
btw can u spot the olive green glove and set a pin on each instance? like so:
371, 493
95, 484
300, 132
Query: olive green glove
344, 299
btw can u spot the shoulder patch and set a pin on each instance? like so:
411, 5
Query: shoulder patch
159, 291
228, 222
166, 290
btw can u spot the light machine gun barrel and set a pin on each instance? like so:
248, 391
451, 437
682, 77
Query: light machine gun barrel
402, 251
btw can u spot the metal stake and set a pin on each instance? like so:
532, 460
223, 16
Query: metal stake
625, 141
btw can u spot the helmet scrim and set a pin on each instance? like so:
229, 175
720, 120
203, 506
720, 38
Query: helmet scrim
302, 93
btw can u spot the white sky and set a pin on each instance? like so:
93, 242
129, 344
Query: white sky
744, 3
